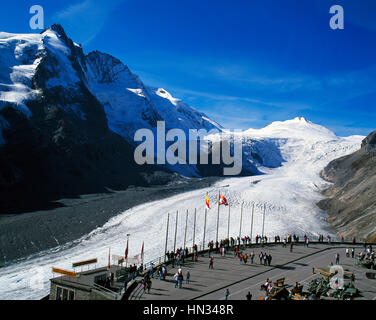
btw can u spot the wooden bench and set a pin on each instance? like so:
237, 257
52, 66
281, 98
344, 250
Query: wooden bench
297, 290
346, 273
279, 282
324, 273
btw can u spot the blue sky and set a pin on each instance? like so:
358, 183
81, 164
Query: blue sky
245, 63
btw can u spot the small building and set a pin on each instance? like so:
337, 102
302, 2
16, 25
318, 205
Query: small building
96, 284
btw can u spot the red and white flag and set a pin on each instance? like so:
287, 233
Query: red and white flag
142, 252
222, 200
126, 252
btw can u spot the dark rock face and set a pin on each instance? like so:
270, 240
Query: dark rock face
351, 202
65, 147
370, 142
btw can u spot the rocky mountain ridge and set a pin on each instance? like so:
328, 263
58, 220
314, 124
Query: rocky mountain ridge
351, 199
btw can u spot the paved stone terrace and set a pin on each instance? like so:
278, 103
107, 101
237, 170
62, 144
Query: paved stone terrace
207, 284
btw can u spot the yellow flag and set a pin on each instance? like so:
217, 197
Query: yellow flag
207, 202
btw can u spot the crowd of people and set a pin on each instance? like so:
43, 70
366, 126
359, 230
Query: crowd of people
175, 258
180, 255
237, 245
146, 283
179, 278
366, 257
271, 290
224, 245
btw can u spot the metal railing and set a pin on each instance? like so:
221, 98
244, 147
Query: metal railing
105, 291
137, 292
202, 249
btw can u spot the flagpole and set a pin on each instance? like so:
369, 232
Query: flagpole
176, 229
168, 220
241, 218
185, 232
263, 221
203, 241
126, 259
253, 208
142, 258
194, 229
109, 261
216, 237
228, 224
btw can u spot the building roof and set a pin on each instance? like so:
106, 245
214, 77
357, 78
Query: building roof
85, 280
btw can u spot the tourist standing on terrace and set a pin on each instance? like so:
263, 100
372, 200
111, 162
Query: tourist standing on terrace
252, 256
265, 259
269, 259
227, 294
337, 258
176, 276
180, 280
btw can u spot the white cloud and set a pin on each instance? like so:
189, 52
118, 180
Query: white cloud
88, 16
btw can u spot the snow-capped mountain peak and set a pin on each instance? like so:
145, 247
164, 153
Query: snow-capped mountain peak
106, 69
297, 128
300, 119
128, 103
56, 28
131, 105
20, 57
